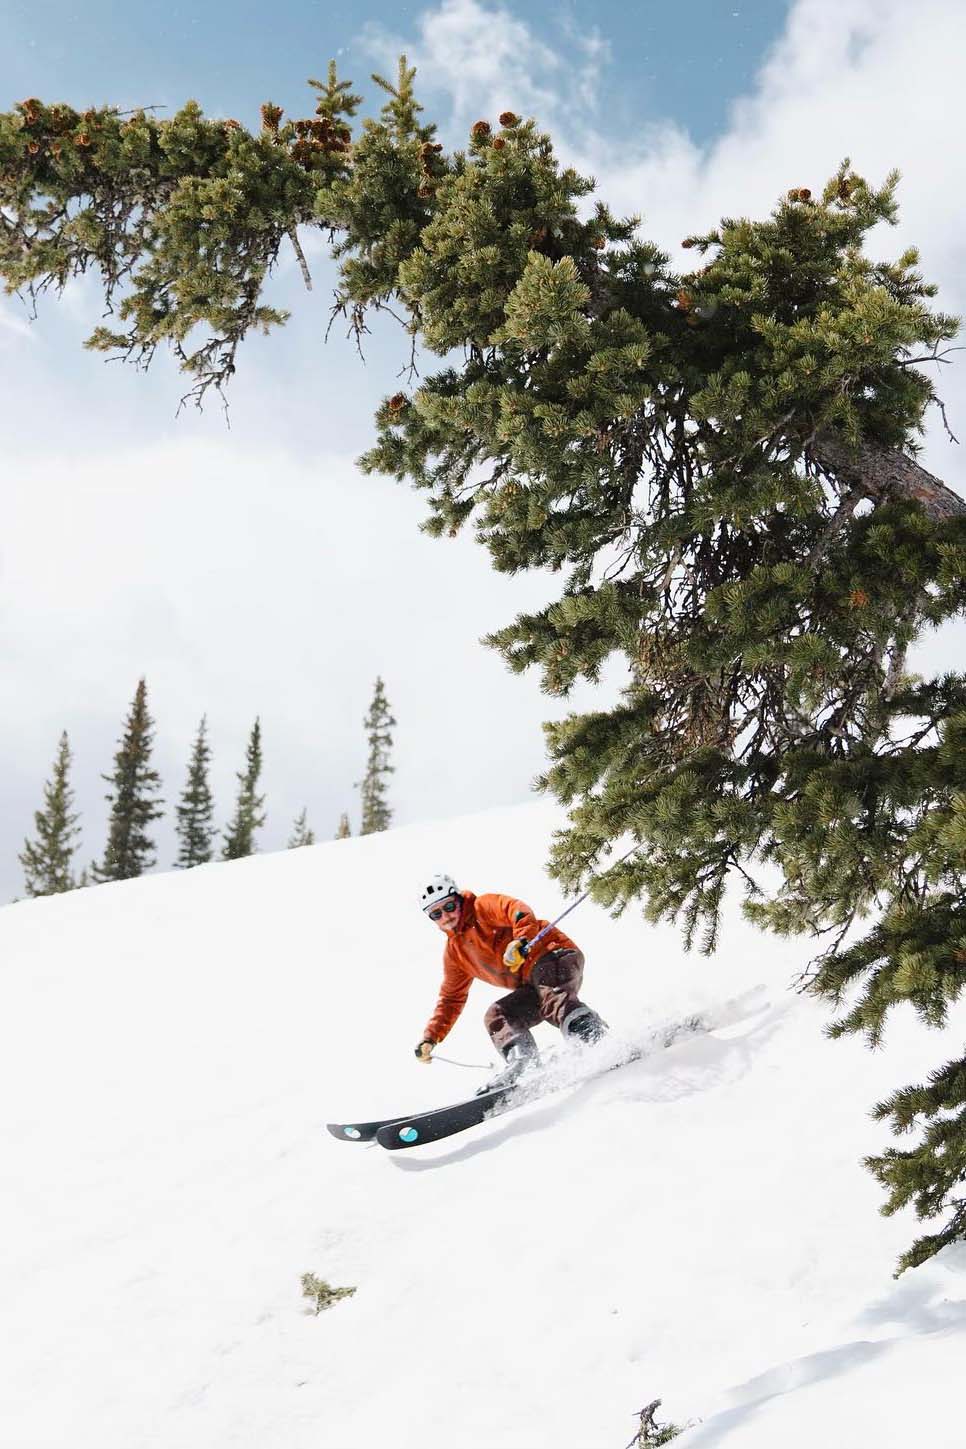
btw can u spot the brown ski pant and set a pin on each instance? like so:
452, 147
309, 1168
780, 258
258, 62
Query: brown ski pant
549, 995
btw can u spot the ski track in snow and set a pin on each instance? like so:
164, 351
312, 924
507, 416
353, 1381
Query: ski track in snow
694, 1225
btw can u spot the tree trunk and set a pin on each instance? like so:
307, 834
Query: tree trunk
881, 472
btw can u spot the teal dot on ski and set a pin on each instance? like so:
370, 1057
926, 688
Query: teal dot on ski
352, 1132
408, 1134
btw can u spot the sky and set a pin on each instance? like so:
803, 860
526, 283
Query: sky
244, 566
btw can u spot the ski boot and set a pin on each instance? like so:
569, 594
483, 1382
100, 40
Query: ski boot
583, 1025
520, 1054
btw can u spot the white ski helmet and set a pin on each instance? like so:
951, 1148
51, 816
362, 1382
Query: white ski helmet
440, 888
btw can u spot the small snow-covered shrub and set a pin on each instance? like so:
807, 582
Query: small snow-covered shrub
650, 1433
323, 1293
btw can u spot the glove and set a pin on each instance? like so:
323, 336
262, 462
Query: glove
515, 954
424, 1052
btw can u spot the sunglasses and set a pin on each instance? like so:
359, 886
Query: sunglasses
448, 906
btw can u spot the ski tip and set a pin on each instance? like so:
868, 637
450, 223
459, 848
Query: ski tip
344, 1131
398, 1134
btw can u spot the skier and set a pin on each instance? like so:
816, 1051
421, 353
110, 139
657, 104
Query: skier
486, 938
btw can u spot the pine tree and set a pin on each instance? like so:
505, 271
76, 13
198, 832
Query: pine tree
195, 811
133, 806
719, 464
344, 830
248, 817
376, 813
301, 834
47, 858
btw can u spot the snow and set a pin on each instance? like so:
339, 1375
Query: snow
695, 1226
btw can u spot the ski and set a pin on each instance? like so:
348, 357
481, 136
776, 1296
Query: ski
368, 1131
442, 1122
421, 1128
359, 1131
445, 1121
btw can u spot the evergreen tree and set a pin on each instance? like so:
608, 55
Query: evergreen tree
720, 464
376, 813
301, 834
133, 806
195, 811
248, 817
46, 859
344, 830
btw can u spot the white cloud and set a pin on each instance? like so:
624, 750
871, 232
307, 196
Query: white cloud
242, 578
13, 324
484, 59
849, 77
593, 52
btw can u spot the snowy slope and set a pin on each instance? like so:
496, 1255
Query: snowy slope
695, 1226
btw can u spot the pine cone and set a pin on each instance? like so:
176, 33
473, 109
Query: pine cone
397, 402
507, 118
271, 116
498, 143
858, 599
480, 131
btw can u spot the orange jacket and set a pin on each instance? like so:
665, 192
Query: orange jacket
475, 949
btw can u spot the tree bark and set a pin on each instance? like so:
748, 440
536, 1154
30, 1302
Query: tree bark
881, 472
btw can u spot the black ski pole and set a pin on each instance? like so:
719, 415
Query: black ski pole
527, 946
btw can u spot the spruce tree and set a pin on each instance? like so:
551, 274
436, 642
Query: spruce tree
344, 830
196, 808
46, 859
248, 817
719, 463
301, 834
132, 798
376, 812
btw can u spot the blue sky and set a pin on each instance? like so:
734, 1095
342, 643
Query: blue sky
252, 570
684, 61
